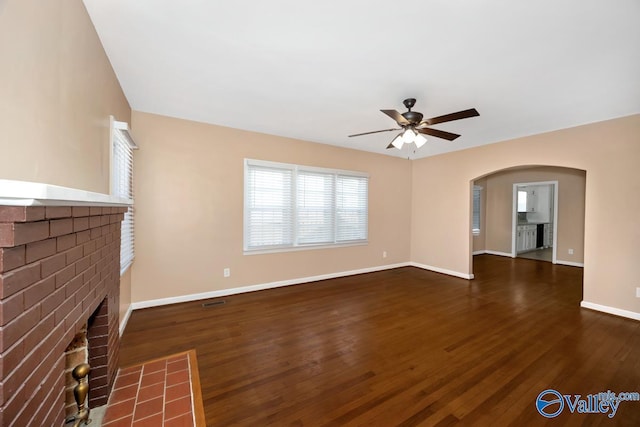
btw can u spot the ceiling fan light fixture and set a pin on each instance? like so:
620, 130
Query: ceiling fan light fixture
398, 141
408, 135
420, 140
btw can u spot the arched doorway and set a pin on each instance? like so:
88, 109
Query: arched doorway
493, 200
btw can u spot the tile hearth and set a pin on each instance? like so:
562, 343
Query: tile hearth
162, 392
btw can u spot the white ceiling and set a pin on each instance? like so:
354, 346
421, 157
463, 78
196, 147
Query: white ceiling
321, 70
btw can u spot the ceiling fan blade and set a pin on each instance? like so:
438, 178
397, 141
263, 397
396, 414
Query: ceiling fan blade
375, 131
438, 133
396, 116
390, 146
472, 112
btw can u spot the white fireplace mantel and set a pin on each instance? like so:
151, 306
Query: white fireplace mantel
22, 193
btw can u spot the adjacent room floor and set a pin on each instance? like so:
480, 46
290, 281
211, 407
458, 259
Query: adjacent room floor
545, 254
400, 347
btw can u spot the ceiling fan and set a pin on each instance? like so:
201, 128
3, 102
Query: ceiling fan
413, 127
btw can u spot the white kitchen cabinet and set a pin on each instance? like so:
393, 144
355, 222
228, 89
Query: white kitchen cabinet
532, 199
520, 239
526, 236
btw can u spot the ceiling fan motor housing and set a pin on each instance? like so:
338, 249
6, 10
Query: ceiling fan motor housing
413, 117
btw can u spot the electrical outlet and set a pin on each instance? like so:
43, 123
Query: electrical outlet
637, 292
384, 254
570, 251
227, 272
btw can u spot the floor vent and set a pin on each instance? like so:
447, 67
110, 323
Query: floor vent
214, 303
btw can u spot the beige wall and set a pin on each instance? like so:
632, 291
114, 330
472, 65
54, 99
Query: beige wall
499, 213
189, 208
57, 91
608, 151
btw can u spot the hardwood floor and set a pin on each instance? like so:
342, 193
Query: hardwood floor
401, 347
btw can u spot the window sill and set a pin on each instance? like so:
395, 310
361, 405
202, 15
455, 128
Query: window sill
303, 248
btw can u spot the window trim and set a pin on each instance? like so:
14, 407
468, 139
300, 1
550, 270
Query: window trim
122, 128
294, 246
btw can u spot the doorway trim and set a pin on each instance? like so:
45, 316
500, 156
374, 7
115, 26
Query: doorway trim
514, 216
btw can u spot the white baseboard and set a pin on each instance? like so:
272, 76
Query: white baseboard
488, 252
123, 323
507, 254
259, 287
610, 310
570, 263
442, 270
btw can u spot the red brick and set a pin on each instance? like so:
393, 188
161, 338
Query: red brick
100, 242
38, 250
94, 222
89, 248
21, 213
73, 286
95, 233
11, 307
6, 235
94, 210
82, 293
37, 335
12, 407
95, 257
20, 233
18, 279
52, 410
44, 377
57, 212
83, 237
59, 227
74, 255
83, 264
14, 330
10, 359
80, 224
73, 318
11, 258
53, 264
38, 368
39, 291
65, 242
53, 301
104, 220
64, 275
63, 310
80, 211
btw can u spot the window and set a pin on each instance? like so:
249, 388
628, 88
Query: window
293, 207
475, 225
122, 186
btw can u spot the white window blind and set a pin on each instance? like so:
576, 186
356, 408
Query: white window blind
351, 206
268, 207
290, 206
475, 226
315, 212
122, 186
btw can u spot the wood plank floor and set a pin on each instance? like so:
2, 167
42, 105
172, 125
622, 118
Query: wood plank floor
401, 347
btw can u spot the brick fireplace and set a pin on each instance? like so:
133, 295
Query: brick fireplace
59, 267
